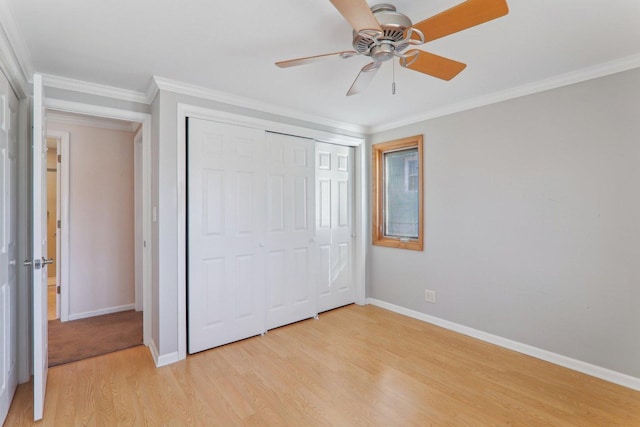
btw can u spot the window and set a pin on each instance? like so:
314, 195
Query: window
398, 194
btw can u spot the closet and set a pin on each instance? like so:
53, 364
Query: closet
270, 229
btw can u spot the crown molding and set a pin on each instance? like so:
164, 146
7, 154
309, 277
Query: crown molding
93, 88
589, 73
152, 89
14, 57
160, 83
96, 122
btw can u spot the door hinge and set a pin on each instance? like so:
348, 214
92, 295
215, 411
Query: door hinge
58, 289
59, 158
58, 223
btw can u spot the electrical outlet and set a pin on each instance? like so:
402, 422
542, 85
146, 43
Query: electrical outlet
430, 296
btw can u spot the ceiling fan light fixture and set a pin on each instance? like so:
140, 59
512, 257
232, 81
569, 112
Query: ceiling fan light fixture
382, 52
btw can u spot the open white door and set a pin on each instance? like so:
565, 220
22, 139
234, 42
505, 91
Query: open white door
8, 239
39, 250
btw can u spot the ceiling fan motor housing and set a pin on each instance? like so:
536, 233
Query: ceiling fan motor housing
393, 25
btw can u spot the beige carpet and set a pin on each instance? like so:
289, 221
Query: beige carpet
84, 338
51, 302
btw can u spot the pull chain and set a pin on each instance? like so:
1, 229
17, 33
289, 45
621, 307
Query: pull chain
393, 84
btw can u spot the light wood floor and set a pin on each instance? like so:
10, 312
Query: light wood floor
355, 366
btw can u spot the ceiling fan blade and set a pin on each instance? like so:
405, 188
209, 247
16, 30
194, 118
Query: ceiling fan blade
318, 58
460, 17
364, 78
358, 14
433, 65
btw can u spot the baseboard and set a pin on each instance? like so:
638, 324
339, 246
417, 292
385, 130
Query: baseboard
102, 311
154, 351
162, 360
557, 359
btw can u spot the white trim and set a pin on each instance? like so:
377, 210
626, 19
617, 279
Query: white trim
163, 360
557, 359
63, 200
95, 110
14, 56
184, 111
58, 221
152, 89
145, 119
268, 125
138, 200
159, 83
154, 352
102, 311
93, 88
96, 122
167, 359
589, 73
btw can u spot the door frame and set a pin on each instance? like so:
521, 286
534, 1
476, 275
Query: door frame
62, 244
58, 217
361, 224
145, 120
138, 228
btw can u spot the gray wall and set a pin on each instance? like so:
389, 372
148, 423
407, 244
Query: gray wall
155, 280
532, 222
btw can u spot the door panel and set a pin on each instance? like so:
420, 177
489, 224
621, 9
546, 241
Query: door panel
324, 273
39, 251
324, 204
8, 243
226, 233
276, 273
334, 205
290, 246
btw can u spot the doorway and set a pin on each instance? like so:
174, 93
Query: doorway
97, 304
53, 300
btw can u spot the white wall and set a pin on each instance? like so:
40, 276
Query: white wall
532, 222
101, 216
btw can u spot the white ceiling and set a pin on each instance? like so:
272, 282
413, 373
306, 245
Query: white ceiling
232, 46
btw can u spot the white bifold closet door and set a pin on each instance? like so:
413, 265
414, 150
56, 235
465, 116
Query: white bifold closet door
251, 249
334, 225
291, 253
226, 230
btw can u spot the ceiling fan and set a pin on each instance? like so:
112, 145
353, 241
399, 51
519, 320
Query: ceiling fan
382, 33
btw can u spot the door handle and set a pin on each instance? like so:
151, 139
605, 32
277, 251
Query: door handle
47, 261
37, 264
